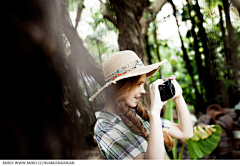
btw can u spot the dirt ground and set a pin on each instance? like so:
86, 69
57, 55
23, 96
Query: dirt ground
92, 153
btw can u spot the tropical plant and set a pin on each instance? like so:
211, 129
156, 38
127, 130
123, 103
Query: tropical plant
205, 139
169, 116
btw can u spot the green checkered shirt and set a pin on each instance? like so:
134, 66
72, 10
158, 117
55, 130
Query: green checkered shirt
116, 140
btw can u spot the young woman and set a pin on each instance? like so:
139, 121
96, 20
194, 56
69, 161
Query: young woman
124, 130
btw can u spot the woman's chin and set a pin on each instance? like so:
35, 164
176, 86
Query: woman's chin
133, 105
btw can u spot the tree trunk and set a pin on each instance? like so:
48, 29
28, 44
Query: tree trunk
83, 60
233, 45
130, 36
148, 51
231, 91
223, 97
199, 105
157, 45
132, 19
33, 119
237, 4
198, 58
225, 45
211, 89
79, 12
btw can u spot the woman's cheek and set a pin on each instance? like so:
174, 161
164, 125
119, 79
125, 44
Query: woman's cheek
131, 103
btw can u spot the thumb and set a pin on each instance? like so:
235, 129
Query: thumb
165, 102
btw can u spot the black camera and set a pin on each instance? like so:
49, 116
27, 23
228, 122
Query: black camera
167, 90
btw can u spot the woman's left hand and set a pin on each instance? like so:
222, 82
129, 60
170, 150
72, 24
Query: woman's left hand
178, 89
182, 130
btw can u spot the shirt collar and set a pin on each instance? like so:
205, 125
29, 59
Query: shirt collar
109, 116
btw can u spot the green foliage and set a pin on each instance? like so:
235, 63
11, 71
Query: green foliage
97, 17
169, 116
203, 142
96, 44
169, 110
181, 152
185, 15
72, 5
190, 107
146, 15
202, 147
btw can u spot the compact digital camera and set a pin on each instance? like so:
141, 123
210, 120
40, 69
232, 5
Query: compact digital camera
167, 90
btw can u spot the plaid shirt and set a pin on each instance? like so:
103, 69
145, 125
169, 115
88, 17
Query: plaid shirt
116, 140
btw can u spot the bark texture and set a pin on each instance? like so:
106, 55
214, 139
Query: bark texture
132, 19
233, 48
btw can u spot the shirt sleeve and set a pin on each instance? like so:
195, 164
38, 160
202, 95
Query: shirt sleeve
166, 124
115, 145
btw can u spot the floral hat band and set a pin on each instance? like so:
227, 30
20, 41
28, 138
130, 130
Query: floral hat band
119, 72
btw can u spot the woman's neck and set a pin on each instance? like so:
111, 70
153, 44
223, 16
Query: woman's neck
110, 106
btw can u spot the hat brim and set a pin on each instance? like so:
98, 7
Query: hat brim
150, 70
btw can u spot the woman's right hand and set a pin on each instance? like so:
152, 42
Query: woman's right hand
156, 103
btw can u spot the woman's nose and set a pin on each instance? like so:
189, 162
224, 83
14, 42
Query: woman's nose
142, 90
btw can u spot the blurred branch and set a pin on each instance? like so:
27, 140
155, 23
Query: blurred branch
153, 10
79, 12
82, 57
237, 4
157, 44
107, 15
50, 131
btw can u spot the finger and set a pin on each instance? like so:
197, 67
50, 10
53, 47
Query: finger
165, 102
165, 79
174, 82
157, 83
172, 77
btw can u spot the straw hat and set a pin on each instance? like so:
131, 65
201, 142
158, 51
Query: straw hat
125, 64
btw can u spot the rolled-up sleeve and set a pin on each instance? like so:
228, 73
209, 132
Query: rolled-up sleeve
166, 124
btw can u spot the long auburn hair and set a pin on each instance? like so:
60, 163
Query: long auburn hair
119, 92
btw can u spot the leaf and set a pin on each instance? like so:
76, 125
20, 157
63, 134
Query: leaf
195, 136
169, 116
174, 149
168, 110
198, 149
180, 154
204, 134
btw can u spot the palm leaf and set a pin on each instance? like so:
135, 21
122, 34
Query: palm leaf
202, 147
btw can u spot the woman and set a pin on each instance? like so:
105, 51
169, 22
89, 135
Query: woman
124, 130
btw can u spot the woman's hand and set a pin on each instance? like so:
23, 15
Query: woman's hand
156, 103
178, 89
182, 130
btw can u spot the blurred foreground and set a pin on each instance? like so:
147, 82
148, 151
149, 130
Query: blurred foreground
46, 77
